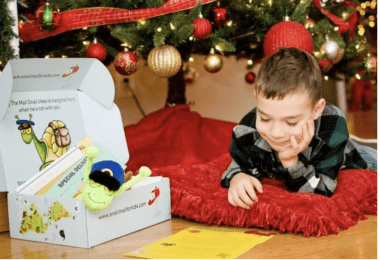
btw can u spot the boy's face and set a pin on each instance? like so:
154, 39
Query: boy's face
277, 120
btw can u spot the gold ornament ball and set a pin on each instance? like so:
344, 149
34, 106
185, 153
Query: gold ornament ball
309, 23
213, 63
165, 61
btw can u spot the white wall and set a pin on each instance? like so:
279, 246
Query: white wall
224, 95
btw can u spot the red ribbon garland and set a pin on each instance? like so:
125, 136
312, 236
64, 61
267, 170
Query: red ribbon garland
96, 16
343, 26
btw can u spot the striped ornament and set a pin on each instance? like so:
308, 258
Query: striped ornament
203, 28
165, 61
288, 34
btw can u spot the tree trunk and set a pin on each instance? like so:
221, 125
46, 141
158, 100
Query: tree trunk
177, 89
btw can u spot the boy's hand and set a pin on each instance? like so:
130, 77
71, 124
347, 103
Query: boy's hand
241, 192
289, 156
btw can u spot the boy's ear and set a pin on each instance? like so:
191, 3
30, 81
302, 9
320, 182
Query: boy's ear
318, 108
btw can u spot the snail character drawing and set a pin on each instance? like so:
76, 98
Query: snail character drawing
54, 143
104, 180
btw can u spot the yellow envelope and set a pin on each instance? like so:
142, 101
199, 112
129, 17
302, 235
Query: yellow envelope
201, 242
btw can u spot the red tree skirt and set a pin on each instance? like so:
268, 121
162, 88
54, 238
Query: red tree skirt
193, 152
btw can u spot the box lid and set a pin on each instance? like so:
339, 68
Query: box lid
84, 74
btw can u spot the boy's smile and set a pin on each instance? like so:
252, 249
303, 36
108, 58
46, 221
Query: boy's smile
278, 119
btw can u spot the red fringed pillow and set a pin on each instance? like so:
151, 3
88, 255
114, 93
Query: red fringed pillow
197, 195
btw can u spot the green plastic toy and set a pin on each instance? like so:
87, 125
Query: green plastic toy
104, 180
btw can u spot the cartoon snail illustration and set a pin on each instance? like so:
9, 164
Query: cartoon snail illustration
104, 180
54, 142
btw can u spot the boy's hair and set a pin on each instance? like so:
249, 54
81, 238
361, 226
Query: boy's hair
289, 70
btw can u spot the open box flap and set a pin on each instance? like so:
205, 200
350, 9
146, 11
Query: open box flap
87, 75
6, 78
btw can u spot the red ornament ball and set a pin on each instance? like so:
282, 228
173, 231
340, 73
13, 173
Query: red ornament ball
250, 77
220, 16
288, 34
325, 65
126, 63
96, 50
203, 28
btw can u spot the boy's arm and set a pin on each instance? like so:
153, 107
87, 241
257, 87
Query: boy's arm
319, 175
241, 158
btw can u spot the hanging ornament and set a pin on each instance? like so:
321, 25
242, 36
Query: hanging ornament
309, 23
190, 74
287, 34
213, 62
96, 50
203, 28
165, 61
330, 48
250, 77
339, 57
48, 17
220, 15
126, 63
325, 65
371, 65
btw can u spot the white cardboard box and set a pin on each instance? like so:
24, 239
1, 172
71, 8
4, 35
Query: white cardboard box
79, 93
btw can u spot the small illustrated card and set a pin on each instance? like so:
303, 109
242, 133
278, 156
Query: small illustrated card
202, 243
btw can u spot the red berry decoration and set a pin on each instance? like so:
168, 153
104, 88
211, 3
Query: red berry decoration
96, 50
203, 28
288, 34
126, 63
325, 65
250, 77
220, 15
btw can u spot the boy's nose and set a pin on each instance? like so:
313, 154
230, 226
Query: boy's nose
277, 133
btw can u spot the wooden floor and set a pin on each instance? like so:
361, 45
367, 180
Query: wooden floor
359, 241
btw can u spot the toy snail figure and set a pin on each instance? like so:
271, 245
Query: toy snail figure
105, 180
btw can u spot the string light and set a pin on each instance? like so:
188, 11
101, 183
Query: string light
191, 59
373, 4
371, 24
86, 43
159, 29
64, 56
142, 22
229, 23
363, 5
172, 26
191, 38
336, 28
249, 62
47, 56
326, 78
357, 47
357, 76
85, 28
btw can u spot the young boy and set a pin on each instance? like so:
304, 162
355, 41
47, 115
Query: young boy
292, 134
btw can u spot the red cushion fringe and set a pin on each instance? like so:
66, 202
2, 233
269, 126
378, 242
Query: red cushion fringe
173, 143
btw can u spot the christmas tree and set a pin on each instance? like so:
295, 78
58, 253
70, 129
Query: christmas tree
164, 33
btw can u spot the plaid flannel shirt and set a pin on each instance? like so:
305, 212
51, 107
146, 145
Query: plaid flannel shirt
330, 150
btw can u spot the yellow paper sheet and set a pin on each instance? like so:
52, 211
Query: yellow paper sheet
201, 243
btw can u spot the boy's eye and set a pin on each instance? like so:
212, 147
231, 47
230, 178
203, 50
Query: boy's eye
292, 124
264, 120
